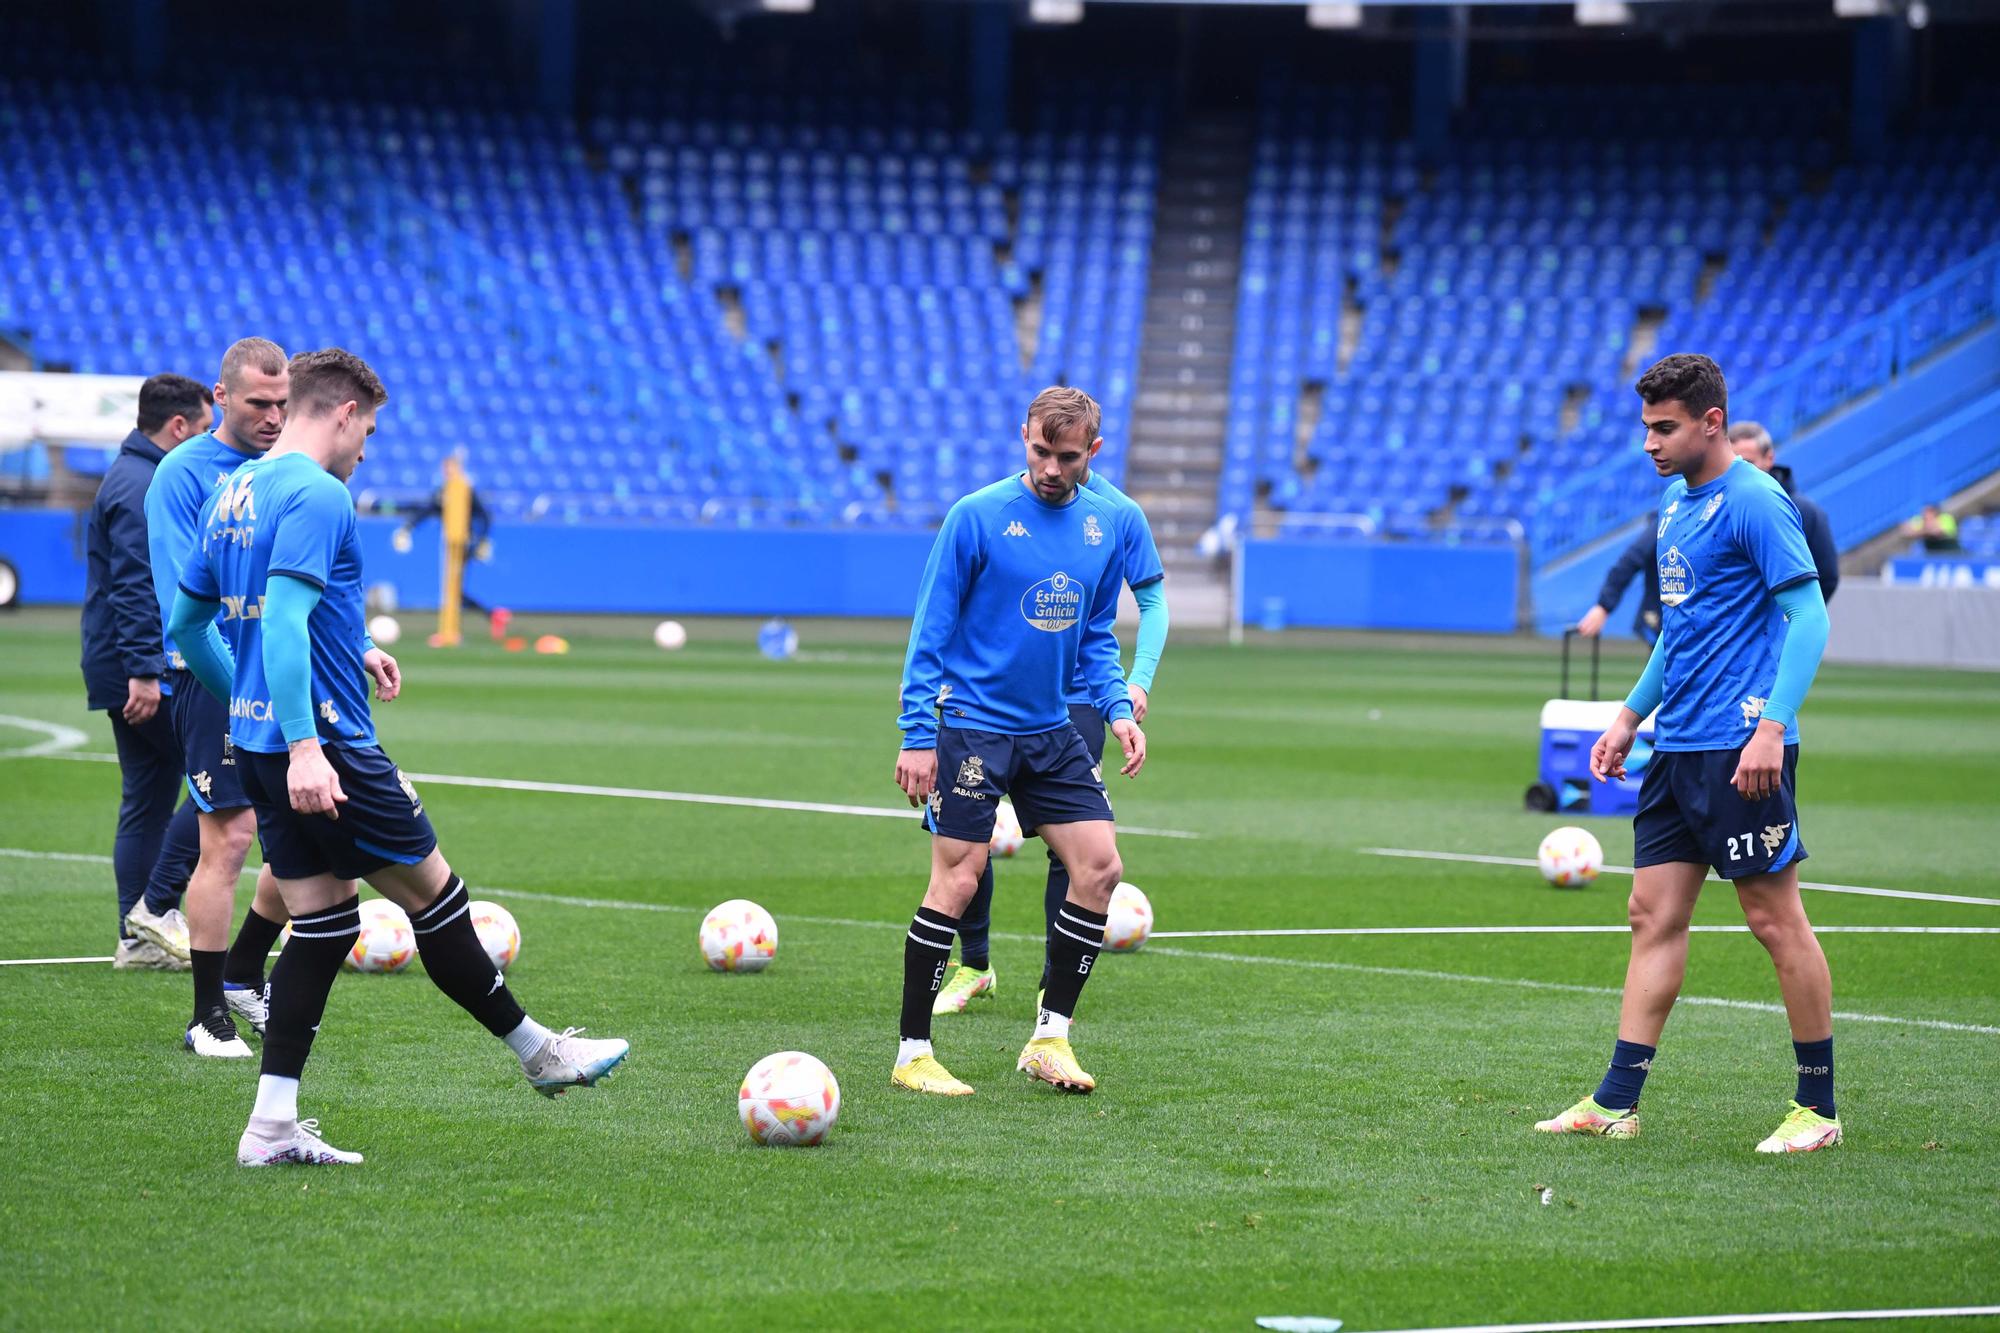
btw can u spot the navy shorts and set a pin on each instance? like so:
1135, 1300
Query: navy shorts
381, 822
1689, 812
1050, 776
201, 729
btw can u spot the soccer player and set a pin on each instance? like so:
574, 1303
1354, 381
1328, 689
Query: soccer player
1020, 591
1144, 575
251, 394
279, 542
1743, 628
156, 846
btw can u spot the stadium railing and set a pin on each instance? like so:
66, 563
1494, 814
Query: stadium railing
1873, 354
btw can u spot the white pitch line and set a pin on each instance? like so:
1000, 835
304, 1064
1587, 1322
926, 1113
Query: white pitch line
1525, 983
702, 798
1551, 930
60, 737
620, 905
36, 962
1533, 864
587, 789
1713, 1320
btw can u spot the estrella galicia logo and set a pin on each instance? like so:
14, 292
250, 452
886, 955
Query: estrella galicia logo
1676, 578
1054, 604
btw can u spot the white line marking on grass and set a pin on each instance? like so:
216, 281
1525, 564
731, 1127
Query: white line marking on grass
1551, 930
1524, 983
36, 962
582, 789
1532, 864
60, 738
622, 905
1711, 1320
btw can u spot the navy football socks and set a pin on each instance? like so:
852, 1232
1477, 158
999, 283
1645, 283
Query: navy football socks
1816, 1076
1630, 1063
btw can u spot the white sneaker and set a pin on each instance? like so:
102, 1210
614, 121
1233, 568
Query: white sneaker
295, 1144
216, 1035
168, 930
567, 1060
137, 955
248, 1003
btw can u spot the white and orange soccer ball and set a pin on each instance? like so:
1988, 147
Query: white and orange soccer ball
1129, 920
1006, 838
387, 943
788, 1100
1570, 857
739, 936
498, 933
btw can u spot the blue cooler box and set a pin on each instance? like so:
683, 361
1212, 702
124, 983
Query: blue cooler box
1569, 728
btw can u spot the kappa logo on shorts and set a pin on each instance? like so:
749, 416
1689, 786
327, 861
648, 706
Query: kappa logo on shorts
1774, 837
1753, 708
937, 799
410, 790
202, 782
1092, 534
972, 773
1014, 529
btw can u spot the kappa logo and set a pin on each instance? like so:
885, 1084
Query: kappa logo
1676, 578
937, 800
1774, 836
329, 712
972, 773
1092, 534
1665, 519
202, 782
1753, 708
944, 693
1014, 529
410, 790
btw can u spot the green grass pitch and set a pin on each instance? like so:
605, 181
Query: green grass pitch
1290, 1125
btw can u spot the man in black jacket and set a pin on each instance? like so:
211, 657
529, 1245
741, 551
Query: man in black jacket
1753, 443
1636, 559
155, 850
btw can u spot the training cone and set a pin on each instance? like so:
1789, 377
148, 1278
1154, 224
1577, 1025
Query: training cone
552, 643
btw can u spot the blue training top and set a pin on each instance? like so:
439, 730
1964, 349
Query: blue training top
286, 515
1724, 549
1018, 596
1142, 560
181, 485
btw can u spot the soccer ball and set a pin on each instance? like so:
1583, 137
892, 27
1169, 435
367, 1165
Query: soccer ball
386, 944
1129, 921
385, 630
788, 1100
498, 934
670, 634
739, 936
1006, 838
1570, 858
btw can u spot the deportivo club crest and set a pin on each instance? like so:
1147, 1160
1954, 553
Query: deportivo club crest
1092, 534
1676, 578
1713, 505
972, 773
